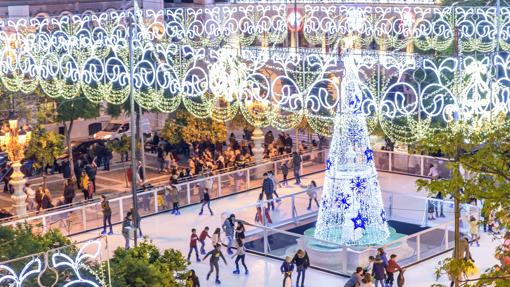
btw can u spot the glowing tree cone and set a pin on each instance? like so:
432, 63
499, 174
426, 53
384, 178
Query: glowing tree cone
351, 210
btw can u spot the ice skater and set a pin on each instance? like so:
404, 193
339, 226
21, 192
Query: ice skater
215, 254
240, 255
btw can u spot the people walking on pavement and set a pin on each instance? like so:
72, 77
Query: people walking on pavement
193, 244
286, 268
268, 190
107, 215
215, 254
474, 231
302, 262
240, 255
312, 194
127, 229
31, 204
228, 227
206, 201
86, 186
296, 166
203, 236
90, 169
69, 192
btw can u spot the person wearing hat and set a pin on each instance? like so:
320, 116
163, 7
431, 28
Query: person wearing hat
286, 269
379, 271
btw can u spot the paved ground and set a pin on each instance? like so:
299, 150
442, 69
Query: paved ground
169, 231
112, 181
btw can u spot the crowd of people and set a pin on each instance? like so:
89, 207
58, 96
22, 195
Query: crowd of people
379, 271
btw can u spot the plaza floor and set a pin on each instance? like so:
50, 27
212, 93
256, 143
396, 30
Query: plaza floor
169, 231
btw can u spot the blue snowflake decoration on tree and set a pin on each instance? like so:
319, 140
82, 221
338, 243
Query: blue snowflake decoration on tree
359, 221
342, 201
358, 184
369, 155
355, 134
383, 215
329, 163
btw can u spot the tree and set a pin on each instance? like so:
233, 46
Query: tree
484, 155
44, 148
183, 126
121, 147
68, 111
20, 241
145, 265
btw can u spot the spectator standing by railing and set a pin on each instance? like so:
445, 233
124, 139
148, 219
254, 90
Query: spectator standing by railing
174, 195
107, 215
46, 199
39, 194
30, 197
296, 166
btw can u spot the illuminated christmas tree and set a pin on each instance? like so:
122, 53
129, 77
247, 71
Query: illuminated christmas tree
351, 210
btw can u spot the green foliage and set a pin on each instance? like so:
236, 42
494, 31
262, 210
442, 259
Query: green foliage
44, 147
145, 266
183, 126
484, 153
21, 241
120, 146
80, 107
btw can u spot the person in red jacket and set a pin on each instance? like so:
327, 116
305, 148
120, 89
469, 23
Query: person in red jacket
203, 236
391, 268
193, 244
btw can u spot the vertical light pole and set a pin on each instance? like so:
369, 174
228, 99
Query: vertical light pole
132, 32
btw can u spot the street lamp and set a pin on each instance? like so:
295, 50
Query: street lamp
14, 140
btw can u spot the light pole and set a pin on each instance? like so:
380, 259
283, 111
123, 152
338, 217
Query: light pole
14, 140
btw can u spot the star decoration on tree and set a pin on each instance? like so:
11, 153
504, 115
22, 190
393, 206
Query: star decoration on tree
355, 134
369, 155
359, 221
358, 184
383, 215
329, 163
342, 201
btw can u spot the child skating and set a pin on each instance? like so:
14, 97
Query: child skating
193, 244
203, 236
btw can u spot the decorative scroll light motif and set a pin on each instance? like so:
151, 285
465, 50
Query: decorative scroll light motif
60, 261
218, 62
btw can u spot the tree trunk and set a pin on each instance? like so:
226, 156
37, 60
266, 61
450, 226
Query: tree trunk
67, 134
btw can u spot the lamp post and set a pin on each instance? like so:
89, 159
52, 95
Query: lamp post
14, 141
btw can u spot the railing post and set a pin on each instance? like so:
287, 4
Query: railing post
45, 227
446, 237
248, 184
84, 218
275, 170
422, 167
121, 210
219, 185
155, 194
266, 247
390, 209
418, 247
188, 193
294, 213
426, 212
389, 161
344, 261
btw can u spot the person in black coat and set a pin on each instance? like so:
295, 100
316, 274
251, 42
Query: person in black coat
91, 173
66, 169
69, 192
77, 172
302, 262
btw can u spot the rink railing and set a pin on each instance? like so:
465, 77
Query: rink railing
429, 238
81, 218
